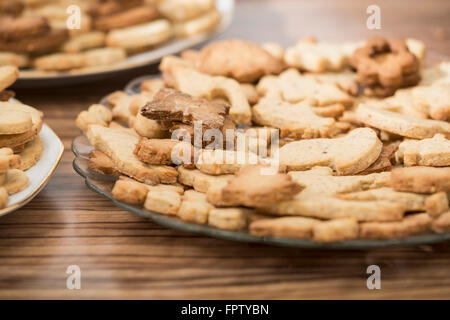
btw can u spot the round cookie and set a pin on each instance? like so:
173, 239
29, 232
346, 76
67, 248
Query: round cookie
15, 140
31, 154
15, 121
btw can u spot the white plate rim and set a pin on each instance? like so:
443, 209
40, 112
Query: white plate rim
34, 192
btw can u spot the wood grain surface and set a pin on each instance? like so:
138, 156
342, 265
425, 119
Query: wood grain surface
124, 256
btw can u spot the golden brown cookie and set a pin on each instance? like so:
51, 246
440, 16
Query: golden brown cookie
42, 44
421, 179
126, 18
238, 59
31, 154
15, 140
252, 187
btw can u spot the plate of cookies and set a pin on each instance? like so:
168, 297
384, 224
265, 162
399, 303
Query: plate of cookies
68, 41
29, 150
318, 145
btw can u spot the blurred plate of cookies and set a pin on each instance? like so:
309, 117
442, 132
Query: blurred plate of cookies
62, 42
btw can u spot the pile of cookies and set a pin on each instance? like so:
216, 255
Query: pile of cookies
20, 145
292, 142
36, 34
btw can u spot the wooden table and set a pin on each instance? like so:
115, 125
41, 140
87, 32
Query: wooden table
124, 256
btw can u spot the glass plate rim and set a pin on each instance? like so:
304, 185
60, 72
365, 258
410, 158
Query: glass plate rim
242, 236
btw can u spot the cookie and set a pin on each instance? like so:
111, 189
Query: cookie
197, 25
336, 230
219, 162
8, 75
411, 201
119, 146
194, 207
274, 49
31, 154
82, 42
296, 121
12, 29
16, 140
16, 181
385, 65
306, 228
99, 8
59, 62
250, 187
410, 225
318, 198
433, 100
152, 86
139, 36
96, 114
384, 161
8, 160
37, 45
15, 121
130, 17
129, 191
200, 181
316, 56
347, 155
286, 227
293, 87
182, 10
345, 80
163, 201
437, 204
229, 218
421, 179
401, 124
13, 59
434, 152
163, 151
103, 57
196, 84
442, 223
238, 59
101, 163
171, 105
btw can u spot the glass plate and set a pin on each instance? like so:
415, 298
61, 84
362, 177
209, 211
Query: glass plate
103, 185
34, 78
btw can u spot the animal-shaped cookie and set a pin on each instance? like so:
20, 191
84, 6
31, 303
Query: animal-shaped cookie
347, 155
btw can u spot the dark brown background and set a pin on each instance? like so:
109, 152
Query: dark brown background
125, 256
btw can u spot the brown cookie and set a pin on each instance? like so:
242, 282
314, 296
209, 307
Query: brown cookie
253, 188
40, 44
175, 106
126, 18
385, 65
107, 7
24, 27
421, 179
241, 60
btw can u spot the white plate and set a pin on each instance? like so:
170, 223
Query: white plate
34, 78
40, 173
